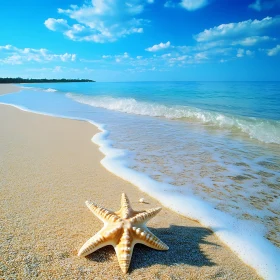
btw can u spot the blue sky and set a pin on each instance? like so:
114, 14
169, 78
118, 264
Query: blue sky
141, 40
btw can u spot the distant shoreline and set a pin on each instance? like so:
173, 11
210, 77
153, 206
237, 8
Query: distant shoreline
37, 81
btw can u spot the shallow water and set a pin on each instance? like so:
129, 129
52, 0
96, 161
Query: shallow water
215, 143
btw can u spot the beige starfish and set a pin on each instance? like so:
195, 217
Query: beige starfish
122, 229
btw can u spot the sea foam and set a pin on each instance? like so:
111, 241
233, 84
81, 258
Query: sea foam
39, 89
267, 131
50, 90
244, 238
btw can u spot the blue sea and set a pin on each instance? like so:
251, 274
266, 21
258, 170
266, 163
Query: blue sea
207, 150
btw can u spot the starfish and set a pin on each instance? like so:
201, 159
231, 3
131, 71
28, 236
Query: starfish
122, 229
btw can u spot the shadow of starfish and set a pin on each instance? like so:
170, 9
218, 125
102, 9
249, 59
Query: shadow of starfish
184, 248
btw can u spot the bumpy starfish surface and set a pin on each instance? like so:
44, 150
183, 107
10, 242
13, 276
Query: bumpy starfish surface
122, 229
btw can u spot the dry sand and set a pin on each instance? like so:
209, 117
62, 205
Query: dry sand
48, 168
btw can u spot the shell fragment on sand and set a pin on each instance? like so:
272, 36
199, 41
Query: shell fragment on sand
122, 229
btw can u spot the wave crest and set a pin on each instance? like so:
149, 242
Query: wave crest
50, 90
267, 131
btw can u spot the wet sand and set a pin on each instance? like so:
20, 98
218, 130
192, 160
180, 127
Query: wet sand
48, 168
8, 88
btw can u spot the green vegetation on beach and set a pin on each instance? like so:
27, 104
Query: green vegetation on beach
21, 80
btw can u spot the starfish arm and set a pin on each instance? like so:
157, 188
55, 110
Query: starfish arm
145, 216
126, 211
124, 250
99, 240
144, 236
101, 213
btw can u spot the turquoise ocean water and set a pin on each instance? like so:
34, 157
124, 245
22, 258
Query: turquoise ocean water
208, 150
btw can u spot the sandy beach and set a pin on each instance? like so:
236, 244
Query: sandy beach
48, 169
8, 88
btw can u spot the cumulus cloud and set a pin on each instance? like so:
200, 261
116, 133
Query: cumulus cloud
251, 41
273, 51
119, 58
224, 43
101, 21
57, 24
190, 5
13, 55
260, 5
238, 30
160, 46
7, 47
218, 44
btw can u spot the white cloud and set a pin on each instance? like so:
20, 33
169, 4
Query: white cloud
260, 5
256, 5
242, 41
56, 24
240, 53
109, 58
218, 44
101, 21
166, 55
251, 41
190, 5
201, 55
7, 47
57, 69
273, 51
160, 46
121, 57
170, 4
125, 55
228, 41
67, 57
238, 30
249, 53
14, 55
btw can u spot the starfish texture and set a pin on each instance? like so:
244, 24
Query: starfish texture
122, 229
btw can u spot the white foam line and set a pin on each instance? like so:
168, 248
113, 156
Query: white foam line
267, 131
242, 237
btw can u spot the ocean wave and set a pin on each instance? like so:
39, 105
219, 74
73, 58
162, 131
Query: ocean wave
267, 131
39, 89
50, 90
25, 87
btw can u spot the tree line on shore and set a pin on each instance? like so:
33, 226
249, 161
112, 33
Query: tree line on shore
22, 80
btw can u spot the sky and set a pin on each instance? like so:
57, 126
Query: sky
141, 40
